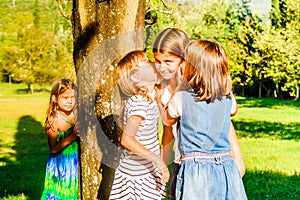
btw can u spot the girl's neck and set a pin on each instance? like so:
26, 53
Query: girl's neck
147, 92
149, 87
65, 113
172, 85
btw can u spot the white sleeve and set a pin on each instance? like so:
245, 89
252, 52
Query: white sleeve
175, 105
166, 95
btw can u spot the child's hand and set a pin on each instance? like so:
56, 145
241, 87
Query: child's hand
163, 170
158, 95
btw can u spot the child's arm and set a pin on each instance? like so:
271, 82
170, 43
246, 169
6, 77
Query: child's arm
235, 150
58, 146
162, 98
167, 143
234, 106
168, 137
129, 142
165, 117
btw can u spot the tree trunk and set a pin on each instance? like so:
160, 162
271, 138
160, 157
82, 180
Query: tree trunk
259, 90
29, 88
277, 91
243, 91
103, 32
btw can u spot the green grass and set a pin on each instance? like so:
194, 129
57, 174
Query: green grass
269, 134
23, 142
268, 131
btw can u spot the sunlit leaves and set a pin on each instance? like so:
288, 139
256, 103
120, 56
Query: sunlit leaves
36, 43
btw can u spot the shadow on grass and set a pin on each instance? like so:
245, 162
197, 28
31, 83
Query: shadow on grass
267, 103
271, 185
37, 90
259, 129
24, 170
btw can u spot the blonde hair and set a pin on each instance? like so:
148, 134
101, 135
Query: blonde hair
171, 40
127, 67
207, 70
58, 87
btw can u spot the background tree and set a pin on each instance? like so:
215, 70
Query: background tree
285, 29
244, 28
35, 47
159, 15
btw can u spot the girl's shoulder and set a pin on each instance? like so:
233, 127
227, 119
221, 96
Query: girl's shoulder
138, 104
70, 119
59, 125
53, 125
138, 99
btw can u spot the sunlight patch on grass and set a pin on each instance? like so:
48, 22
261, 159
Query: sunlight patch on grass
287, 115
278, 156
17, 197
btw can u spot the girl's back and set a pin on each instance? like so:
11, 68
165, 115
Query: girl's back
203, 109
205, 125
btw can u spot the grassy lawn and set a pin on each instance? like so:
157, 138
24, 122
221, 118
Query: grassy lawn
269, 134
268, 131
23, 142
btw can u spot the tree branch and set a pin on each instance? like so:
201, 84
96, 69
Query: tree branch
62, 11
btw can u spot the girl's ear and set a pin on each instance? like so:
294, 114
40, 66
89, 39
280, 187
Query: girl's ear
182, 65
181, 69
134, 78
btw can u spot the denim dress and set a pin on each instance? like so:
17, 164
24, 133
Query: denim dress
207, 171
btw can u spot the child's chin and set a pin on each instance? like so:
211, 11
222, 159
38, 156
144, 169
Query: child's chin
68, 109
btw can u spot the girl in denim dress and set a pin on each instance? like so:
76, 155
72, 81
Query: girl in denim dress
202, 109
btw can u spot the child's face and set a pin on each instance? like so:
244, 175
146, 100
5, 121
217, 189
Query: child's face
146, 75
167, 64
66, 100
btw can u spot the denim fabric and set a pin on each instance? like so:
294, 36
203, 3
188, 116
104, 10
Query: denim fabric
209, 179
204, 126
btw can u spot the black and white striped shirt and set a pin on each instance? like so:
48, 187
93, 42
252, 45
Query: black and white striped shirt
147, 134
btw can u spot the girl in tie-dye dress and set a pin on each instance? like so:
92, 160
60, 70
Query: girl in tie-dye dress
61, 178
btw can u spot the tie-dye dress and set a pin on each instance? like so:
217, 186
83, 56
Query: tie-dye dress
61, 179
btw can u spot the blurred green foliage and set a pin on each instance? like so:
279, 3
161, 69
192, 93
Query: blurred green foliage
36, 43
263, 51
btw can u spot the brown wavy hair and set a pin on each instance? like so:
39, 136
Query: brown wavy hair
171, 40
58, 87
206, 70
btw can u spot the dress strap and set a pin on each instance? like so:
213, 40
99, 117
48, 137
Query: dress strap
65, 119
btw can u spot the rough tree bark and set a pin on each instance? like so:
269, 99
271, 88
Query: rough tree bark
103, 31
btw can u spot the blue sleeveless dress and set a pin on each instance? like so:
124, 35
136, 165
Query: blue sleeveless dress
207, 171
61, 178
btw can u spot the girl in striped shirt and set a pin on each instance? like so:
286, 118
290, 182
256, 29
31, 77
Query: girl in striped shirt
141, 174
